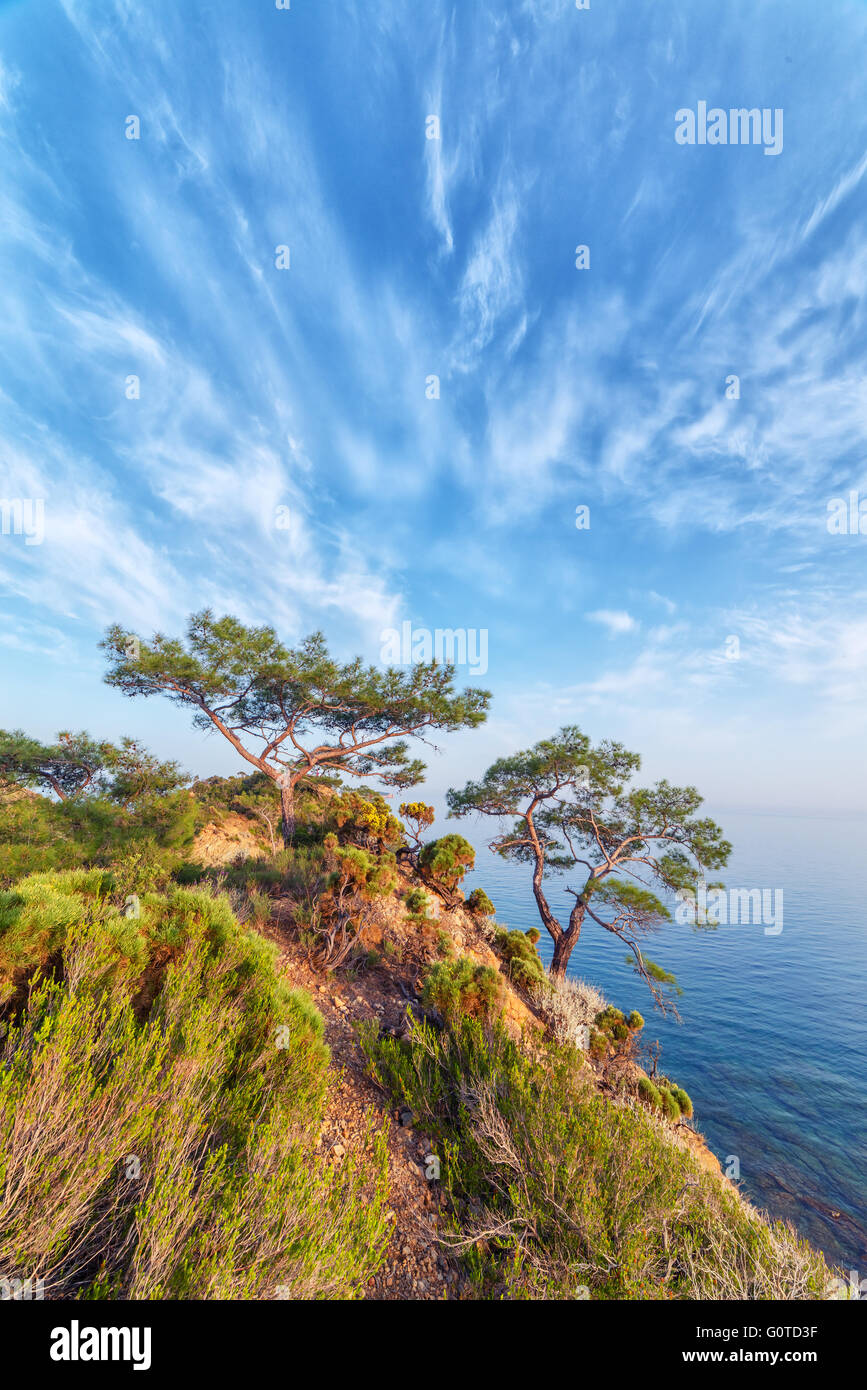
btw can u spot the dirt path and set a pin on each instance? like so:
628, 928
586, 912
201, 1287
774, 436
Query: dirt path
416, 1265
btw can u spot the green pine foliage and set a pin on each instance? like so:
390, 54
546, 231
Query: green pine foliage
479, 903
523, 963
418, 903
444, 862
463, 987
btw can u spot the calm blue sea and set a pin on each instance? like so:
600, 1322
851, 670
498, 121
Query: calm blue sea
772, 1046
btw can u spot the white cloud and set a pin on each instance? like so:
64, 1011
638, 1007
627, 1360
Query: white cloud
616, 620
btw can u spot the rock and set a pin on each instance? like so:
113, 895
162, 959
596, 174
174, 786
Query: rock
405, 1117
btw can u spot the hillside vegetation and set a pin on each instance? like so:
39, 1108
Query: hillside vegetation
169, 1098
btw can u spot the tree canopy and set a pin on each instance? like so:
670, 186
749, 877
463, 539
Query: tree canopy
295, 713
137, 775
78, 766
68, 767
572, 810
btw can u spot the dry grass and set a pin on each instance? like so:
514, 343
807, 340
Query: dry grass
569, 1007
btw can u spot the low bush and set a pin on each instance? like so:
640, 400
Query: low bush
417, 903
40, 835
162, 1093
569, 1007
480, 904
683, 1100
662, 1095
608, 1017
553, 1188
369, 875
668, 1104
649, 1092
524, 965
366, 818
463, 987
444, 862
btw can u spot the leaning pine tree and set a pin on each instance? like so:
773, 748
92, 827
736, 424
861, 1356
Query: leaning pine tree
572, 810
78, 768
295, 713
72, 767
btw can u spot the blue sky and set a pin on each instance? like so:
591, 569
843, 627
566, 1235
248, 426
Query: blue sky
268, 394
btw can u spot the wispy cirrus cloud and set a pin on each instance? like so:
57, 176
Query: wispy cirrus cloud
285, 455
616, 620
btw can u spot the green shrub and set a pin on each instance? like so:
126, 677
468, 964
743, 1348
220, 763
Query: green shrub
371, 876
668, 1104
608, 1017
525, 968
635, 1021
162, 1093
188, 873
143, 933
649, 1092
417, 903
461, 987
445, 861
479, 903
534, 935
550, 1185
683, 1101
40, 835
35, 916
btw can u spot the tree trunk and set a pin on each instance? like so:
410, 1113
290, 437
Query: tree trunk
565, 943
562, 951
287, 812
